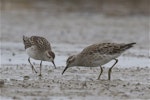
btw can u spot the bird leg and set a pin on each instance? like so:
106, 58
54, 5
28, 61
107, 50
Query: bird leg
109, 71
33, 69
100, 72
40, 68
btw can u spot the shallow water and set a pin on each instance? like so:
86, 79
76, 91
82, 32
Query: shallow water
5, 98
14, 53
70, 32
76, 83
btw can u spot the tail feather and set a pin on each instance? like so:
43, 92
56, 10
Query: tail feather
127, 46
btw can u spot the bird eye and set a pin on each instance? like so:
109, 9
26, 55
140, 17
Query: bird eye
49, 57
69, 61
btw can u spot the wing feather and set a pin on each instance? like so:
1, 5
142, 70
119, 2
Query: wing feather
104, 48
38, 41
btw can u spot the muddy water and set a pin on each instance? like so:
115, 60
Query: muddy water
130, 77
14, 53
69, 33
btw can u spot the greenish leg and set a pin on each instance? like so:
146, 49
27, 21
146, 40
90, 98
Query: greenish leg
40, 68
109, 71
100, 73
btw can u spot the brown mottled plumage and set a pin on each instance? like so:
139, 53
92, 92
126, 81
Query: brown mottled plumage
38, 48
40, 42
106, 48
97, 55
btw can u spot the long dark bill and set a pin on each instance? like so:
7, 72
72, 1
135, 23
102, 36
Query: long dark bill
54, 64
65, 70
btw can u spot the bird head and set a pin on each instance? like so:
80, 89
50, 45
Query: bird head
71, 61
50, 56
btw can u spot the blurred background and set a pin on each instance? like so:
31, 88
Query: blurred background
76, 21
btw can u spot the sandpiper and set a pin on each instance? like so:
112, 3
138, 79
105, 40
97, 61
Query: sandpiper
38, 48
98, 55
